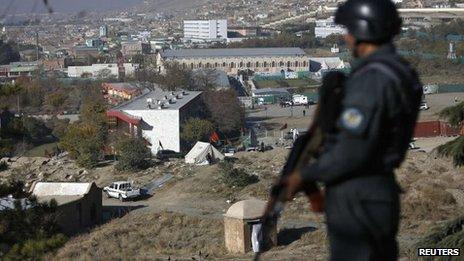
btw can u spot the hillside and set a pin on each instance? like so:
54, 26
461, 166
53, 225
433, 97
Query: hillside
184, 217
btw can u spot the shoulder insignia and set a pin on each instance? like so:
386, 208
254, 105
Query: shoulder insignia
352, 118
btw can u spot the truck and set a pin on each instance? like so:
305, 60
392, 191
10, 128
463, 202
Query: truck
299, 99
121, 190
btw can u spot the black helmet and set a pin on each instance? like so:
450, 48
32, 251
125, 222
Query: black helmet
374, 21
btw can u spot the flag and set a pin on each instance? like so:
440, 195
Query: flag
214, 137
161, 145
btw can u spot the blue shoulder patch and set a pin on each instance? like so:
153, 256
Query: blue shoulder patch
352, 119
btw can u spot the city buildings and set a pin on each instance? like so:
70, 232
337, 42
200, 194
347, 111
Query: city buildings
130, 48
103, 70
326, 27
267, 60
18, 69
103, 31
157, 116
205, 29
117, 92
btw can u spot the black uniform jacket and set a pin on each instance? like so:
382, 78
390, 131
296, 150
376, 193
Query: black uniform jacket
370, 109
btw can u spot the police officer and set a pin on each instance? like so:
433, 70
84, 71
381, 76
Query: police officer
378, 114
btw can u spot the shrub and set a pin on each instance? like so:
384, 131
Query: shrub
132, 154
3, 165
196, 130
450, 235
28, 234
234, 177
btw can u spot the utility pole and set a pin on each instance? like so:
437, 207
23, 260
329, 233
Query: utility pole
37, 45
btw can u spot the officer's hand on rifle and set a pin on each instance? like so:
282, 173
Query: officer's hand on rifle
294, 183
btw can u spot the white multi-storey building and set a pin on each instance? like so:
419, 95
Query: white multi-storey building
157, 116
205, 29
326, 27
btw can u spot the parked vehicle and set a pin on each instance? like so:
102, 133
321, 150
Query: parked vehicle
252, 149
299, 99
121, 190
424, 106
229, 151
167, 154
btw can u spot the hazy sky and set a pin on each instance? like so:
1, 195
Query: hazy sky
74, 6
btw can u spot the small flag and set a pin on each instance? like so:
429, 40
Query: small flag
214, 137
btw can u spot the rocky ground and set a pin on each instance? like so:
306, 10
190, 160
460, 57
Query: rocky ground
183, 219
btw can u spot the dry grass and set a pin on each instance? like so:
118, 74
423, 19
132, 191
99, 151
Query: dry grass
148, 235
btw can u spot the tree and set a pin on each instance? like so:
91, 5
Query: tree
132, 154
224, 111
204, 80
7, 53
55, 100
84, 142
454, 148
85, 139
196, 130
28, 234
176, 77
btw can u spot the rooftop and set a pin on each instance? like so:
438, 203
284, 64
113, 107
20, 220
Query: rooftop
41, 189
247, 209
157, 97
230, 52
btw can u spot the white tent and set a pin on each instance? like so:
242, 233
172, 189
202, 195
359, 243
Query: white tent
199, 154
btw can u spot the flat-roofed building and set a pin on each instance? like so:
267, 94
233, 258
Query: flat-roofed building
205, 29
326, 27
231, 60
101, 69
156, 117
79, 204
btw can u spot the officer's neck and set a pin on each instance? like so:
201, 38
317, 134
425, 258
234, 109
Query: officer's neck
365, 49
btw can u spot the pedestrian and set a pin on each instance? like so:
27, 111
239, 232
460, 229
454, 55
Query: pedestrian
304, 113
378, 115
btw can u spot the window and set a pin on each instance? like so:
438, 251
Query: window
241, 64
208, 65
192, 66
223, 64
273, 64
281, 64
248, 64
232, 65
265, 64
257, 64
304, 64
215, 65
289, 64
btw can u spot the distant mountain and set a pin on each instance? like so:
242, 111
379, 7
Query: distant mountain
64, 6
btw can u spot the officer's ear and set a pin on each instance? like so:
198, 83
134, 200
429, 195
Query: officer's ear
350, 40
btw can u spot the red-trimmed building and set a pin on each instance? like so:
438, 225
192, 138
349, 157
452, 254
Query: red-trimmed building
157, 116
118, 92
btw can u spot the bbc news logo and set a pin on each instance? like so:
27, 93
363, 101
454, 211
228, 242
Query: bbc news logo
439, 252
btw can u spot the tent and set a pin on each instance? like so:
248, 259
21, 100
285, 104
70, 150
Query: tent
199, 154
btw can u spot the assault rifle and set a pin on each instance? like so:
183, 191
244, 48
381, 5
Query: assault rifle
305, 149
